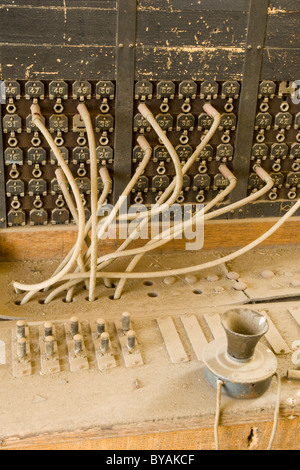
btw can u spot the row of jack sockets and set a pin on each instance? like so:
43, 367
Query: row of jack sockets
78, 355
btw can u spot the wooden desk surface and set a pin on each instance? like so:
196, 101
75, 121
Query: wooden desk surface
159, 405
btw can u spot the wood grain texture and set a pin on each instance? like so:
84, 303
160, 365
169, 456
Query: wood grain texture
60, 4
253, 435
45, 41
54, 243
57, 26
285, 5
281, 64
283, 30
282, 54
206, 28
51, 62
194, 5
194, 62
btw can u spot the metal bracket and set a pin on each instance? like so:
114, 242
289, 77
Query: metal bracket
21, 366
131, 358
79, 361
248, 100
49, 365
105, 360
125, 72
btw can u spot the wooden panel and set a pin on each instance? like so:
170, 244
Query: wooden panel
194, 62
215, 325
283, 5
206, 28
55, 242
253, 435
259, 209
57, 26
195, 334
172, 340
62, 3
274, 337
194, 5
69, 63
295, 312
281, 64
283, 30
282, 53
66, 42
189, 43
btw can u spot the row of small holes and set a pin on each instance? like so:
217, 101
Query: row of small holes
111, 297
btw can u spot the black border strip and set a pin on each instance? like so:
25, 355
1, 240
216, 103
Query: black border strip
125, 72
248, 100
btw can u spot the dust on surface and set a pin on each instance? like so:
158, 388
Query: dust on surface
158, 395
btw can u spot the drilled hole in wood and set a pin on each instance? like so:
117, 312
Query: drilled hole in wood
88, 300
67, 302
113, 285
111, 297
197, 291
152, 294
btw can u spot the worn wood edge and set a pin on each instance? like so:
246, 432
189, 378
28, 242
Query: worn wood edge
192, 433
55, 242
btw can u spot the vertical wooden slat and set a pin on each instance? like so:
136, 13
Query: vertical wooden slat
125, 66
248, 99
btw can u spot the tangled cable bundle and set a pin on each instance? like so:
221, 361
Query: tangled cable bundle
82, 264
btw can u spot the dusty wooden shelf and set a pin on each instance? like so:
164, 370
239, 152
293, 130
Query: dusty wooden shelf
158, 405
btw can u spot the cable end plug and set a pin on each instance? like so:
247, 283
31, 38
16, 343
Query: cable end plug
210, 110
144, 110
143, 143
60, 176
224, 170
104, 175
35, 110
262, 173
82, 109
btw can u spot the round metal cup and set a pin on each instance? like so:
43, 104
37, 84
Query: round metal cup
243, 328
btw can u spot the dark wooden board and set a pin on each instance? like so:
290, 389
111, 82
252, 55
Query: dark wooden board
282, 53
195, 5
283, 30
247, 104
63, 62
189, 62
125, 66
60, 3
286, 5
261, 209
281, 64
199, 28
57, 26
